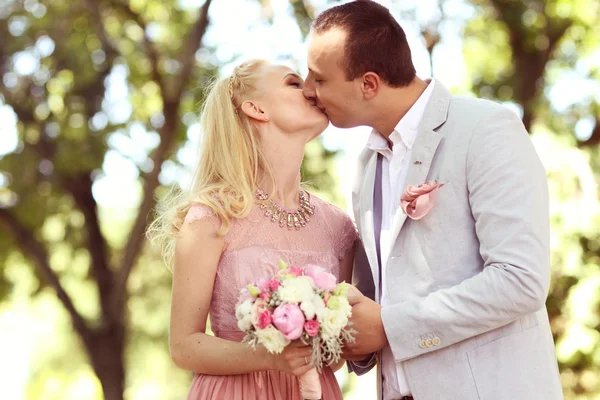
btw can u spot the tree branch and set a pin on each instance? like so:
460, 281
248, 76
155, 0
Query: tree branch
530, 62
148, 45
136, 237
188, 55
36, 251
108, 48
94, 91
80, 187
167, 137
23, 114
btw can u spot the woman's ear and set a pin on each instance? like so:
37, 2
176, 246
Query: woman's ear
253, 111
370, 85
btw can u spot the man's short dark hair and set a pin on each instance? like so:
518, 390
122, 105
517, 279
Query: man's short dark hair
375, 41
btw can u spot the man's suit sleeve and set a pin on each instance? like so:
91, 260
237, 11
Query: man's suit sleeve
508, 196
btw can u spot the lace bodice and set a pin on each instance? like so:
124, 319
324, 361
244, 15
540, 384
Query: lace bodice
254, 246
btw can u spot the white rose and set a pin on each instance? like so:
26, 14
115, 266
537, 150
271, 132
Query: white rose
243, 309
296, 290
319, 307
343, 306
309, 309
245, 323
313, 306
333, 322
272, 339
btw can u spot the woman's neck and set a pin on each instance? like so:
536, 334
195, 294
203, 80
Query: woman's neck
285, 162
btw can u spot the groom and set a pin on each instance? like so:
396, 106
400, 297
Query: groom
459, 269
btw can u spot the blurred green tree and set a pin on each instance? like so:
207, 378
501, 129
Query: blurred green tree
528, 53
55, 68
94, 82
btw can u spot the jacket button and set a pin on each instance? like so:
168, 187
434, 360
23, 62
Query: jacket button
422, 344
436, 341
429, 343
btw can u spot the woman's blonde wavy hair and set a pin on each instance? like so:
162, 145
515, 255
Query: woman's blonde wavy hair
230, 162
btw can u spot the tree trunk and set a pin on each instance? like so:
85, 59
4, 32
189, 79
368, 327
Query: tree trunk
106, 354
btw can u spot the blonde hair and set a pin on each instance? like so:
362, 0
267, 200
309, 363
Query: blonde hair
230, 162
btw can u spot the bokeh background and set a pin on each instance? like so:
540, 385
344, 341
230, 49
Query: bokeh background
99, 108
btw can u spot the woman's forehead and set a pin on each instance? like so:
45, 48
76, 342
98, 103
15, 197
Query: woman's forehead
279, 71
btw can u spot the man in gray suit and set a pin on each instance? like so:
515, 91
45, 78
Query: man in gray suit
455, 285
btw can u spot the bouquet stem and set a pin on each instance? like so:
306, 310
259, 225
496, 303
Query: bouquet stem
310, 385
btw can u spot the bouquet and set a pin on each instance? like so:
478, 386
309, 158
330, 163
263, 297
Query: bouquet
298, 303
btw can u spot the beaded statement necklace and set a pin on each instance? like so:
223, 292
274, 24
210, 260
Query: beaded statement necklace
295, 219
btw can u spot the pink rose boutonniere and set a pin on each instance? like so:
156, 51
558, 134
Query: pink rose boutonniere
417, 201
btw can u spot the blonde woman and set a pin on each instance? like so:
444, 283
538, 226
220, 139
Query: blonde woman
245, 212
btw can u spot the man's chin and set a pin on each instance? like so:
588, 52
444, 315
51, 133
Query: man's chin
341, 124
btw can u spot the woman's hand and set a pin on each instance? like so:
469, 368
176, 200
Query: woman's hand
294, 360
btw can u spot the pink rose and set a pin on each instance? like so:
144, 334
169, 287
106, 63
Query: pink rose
296, 271
417, 201
264, 319
312, 328
262, 284
323, 279
289, 319
273, 284
258, 308
265, 296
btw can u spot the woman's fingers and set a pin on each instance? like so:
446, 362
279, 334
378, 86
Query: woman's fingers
299, 351
296, 343
303, 369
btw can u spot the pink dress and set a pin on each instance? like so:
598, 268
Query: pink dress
253, 248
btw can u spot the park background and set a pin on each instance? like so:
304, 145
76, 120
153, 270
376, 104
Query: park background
99, 108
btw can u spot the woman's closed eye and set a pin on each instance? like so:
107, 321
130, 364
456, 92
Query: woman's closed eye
296, 84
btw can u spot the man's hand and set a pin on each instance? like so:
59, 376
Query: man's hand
370, 336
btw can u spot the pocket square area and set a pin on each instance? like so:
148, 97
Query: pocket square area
417, 201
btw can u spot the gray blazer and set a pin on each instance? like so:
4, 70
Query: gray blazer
467, 284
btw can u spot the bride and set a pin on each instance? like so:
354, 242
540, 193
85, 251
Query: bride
246, 211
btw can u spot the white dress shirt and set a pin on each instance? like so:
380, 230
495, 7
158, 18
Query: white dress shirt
394, 170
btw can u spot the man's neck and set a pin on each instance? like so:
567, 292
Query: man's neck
394, 104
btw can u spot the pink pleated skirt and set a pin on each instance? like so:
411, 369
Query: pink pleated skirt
263, 385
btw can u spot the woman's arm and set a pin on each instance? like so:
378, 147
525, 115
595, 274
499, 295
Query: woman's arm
197, 254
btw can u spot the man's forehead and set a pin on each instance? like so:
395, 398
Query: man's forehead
326, 46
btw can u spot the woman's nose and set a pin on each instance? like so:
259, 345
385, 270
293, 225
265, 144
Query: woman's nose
309, 91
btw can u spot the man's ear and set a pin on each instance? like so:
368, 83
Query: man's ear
371, 83
253, 111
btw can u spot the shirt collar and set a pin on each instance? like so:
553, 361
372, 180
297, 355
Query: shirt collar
407, 128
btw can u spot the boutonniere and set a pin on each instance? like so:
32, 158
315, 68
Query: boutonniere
417, 201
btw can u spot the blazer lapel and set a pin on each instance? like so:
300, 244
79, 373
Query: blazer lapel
425, 147
367, 232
